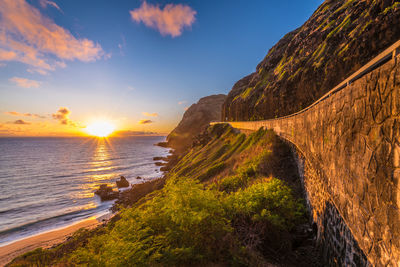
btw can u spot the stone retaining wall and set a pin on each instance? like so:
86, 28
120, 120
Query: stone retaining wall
351, 145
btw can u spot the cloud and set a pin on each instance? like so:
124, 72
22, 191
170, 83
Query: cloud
15, 113
45, 3
7, 55
144, 121
62, 115
168, 21
25, 83
29, 37
150, 114
133, 133
182, 102
40, 71
21, 122
122, 45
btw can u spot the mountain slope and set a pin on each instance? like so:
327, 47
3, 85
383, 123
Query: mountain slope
195, 120
339, 38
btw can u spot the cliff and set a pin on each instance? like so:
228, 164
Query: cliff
194, 121
338, 39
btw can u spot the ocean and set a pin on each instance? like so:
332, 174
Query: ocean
48, 183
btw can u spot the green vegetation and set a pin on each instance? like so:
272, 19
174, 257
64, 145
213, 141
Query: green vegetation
189, 224
343, 50
214, 199
319, 51
46, 257
344, 6
247, 92
267, 200
391, 8
184, 223
345, 23
330, 24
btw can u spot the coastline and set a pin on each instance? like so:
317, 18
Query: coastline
45, 240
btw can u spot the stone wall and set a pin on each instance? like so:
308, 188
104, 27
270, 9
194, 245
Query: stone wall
351, 145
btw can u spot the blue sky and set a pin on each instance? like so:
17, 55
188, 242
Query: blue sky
131, 66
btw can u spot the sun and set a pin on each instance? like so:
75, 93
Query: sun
100, 128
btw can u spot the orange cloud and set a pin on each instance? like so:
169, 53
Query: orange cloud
150, 114
21, 122
144, 121
29, 37
62, 115
15, 113
182, 102
25, 83
170, 20
7, 55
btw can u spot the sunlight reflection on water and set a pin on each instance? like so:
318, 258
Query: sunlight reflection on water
48, 182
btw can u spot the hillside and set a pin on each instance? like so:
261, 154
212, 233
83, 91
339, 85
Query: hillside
232, 200
339, 38
195, 120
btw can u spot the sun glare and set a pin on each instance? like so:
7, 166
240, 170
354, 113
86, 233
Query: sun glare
100, 128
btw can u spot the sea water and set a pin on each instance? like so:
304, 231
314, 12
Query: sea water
48, 183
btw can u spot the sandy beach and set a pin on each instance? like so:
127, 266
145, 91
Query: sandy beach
44, 240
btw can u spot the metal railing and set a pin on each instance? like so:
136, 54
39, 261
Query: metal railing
390, 53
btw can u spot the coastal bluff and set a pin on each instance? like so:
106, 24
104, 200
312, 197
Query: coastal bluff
195, 119
348, 147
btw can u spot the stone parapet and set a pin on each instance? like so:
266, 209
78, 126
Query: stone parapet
351, 145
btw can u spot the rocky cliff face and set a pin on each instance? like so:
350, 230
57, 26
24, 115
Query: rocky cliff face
195, 120
339, 38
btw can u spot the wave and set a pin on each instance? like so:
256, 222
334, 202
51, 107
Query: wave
34, 227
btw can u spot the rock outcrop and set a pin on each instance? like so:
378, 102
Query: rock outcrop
122, 182
194, 121
106, 192
339, 38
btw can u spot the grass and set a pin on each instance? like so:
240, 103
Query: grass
391, 8
247, 92
345, 23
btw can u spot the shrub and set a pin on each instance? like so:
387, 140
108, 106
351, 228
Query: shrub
269, 200
185, 223
233, 183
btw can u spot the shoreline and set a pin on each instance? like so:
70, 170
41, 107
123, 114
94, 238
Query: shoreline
46, 239
58, 235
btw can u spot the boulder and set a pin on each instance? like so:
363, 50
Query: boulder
105, 192
122, 182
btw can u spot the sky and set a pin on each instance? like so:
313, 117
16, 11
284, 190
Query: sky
65, 64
